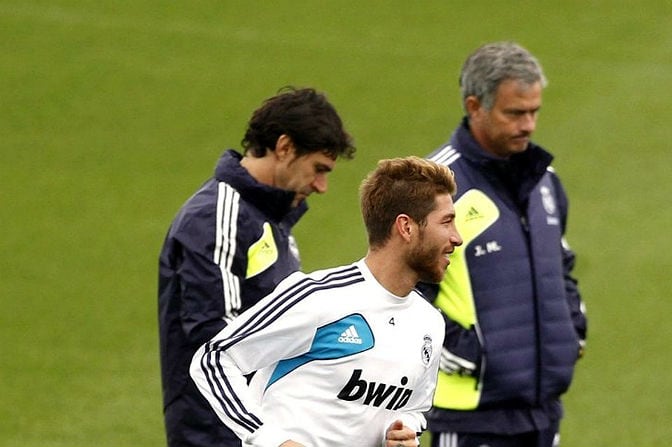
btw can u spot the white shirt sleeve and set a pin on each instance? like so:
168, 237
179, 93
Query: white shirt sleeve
270, 331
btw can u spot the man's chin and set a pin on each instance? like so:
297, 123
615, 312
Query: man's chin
518, 147
433, 277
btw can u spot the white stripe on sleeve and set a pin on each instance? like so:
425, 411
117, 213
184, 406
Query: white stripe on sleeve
225, 244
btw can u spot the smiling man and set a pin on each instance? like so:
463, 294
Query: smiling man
514, 318
231, 244
346, 356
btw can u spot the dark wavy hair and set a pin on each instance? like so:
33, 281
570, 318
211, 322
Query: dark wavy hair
306, 117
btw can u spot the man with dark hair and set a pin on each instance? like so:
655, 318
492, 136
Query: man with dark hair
231, 244
515, 325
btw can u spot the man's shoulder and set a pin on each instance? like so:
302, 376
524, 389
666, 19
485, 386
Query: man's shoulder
447, 155
218, 208
341, 273
201, 204
319, 283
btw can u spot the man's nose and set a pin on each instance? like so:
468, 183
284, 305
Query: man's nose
320, 184
457, 239
529, 122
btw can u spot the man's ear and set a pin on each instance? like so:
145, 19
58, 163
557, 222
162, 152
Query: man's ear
403, 225
472, 105
284, 147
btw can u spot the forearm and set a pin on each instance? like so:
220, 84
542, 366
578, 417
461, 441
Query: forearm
204, 311
574, 300
462, 351
224, 385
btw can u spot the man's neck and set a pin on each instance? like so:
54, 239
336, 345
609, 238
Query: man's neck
395, 276
260, 168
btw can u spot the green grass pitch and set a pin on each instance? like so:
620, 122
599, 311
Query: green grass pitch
112, 113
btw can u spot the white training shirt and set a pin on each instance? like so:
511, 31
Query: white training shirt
338, 359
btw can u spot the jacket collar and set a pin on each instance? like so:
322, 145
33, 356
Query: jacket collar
276, 203
520, 173
533, 162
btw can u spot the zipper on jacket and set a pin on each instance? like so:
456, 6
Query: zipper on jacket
481, 341
525, 225
526, 228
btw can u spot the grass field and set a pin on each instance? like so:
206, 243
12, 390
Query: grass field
113, 112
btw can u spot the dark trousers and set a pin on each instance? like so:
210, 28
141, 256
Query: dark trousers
544, 438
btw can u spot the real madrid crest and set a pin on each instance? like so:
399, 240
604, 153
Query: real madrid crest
547, 199
294, 248
426, 351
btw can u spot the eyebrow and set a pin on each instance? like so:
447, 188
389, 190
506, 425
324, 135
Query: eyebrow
520, 110
322, 167
449, 215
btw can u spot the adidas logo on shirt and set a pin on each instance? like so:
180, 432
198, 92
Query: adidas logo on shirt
350, 335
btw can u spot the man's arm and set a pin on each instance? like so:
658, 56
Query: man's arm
254, 340
576, 306
462, 351
204, 311
207, 263
574, 300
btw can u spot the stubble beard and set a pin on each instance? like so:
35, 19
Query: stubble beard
424, 263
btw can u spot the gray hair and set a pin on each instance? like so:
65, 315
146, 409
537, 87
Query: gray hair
493, 63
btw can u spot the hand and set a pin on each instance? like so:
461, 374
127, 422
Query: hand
291, 443
398, 435
452, 364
